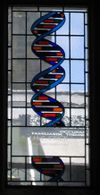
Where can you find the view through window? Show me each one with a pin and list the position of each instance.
(48, 97)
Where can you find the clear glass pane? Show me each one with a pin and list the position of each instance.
(18, 47)
(9, 14)
(19, 23)
(63, 94)
(77, 47)
(77, 23)
(50, 8)
(9, 34)
(18, 96)
(33, 68)
(9, 53)
(78, 169)
(30, 40)
(18, 70)
(44, 65)
(65, 66)
(18, 116)
(86, 19)
(65, 28)
(9, 81)
(77, 71)
(64, 43)
(77, 117)
(77, 99)
(9, 135)
(31, 18)
(9, 64)
(77, 88)
(66, 117)
(22, 8)
(86, 37)
(34, 119)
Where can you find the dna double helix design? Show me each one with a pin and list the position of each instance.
(44, 105)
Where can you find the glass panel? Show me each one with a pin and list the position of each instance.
(9, 82)
(86, 64)
(9, 53)
(18, 96)
(65, 65)
(34, 118)
(64, 43)
(9, 14)
(63, 94)
(22, 8)
(30, 93)
(66, 117)
(19, 23)
(50, 8)
(78, 169)
(77, 66)
(77, 117)
(77, 88)
(77, 99)
(18, 69)
(86, 19)
(77, 47)
(86, 37)
(9, 135)
(87, 84)
(9, 64)
(18, 47)
(31, 17)
(77, 23)
(30, 40)
(33, 68)
(8, 154)
(18, 118)
(65, 28)
(9, 34)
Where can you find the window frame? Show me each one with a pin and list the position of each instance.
(93, 60)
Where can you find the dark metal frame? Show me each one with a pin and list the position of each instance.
(93, 102)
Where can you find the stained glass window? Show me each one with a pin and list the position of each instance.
(48, 97)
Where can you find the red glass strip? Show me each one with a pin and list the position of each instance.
(48, 26)
(59, 54)
(48, 21)
(51, 59)
(37, 159)
(42, 98)
(49, 115)
(36, 48)
(57, 109)
(58, 76)
(43, 42)
(41, 82)
(36, 103)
